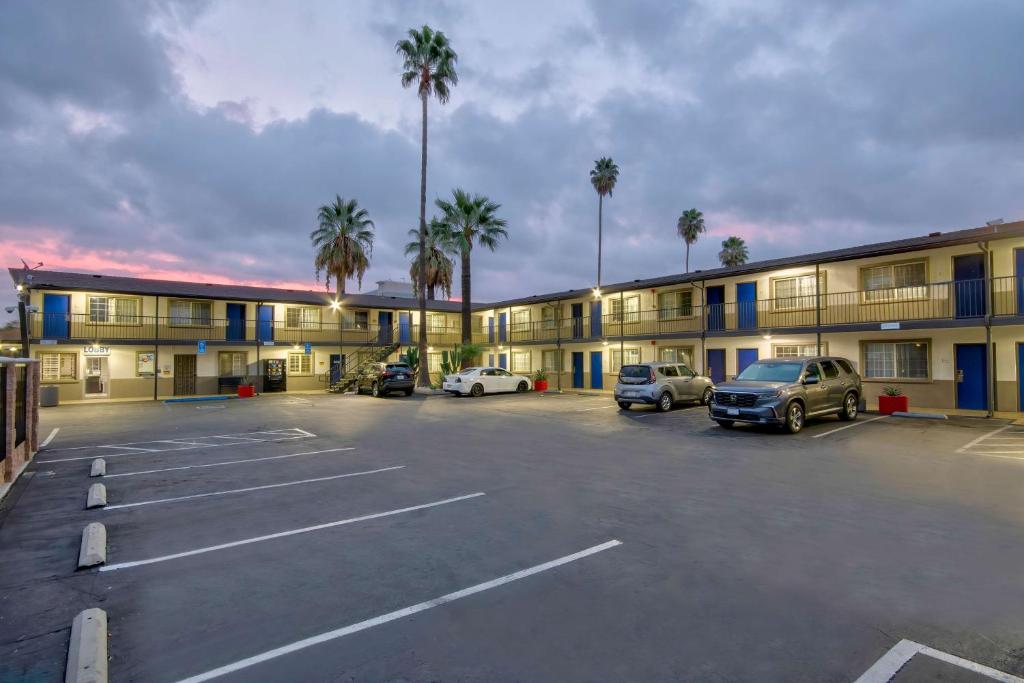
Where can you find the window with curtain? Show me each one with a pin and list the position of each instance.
(198, 313)
(110, 309)
(796, 293)
(521, 320)
(632, 356)
(433, 362)
(520, 361)
(678, 304)
(436, 322)
(547, 315)
(300, 364)
(676, 354)
(896, 360)
(895, 281)
(798, 350)
(232, 363)
(58, 367)
(625, 310)
(302, 317)
(549, 360)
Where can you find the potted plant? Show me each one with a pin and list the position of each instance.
(892, 401)
(540, 380)
(246, 389)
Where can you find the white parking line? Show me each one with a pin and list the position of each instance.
(981, 438)
(250, 488)
(227, 462)
(301, 432)
(397, 614)
(583, 410)
(902, 652)
(852, 424)
(47, 440)
(283, 534)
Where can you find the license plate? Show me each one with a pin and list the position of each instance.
(401, 377)
(732, 411)
(629, 393)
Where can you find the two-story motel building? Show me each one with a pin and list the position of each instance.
(939, 316)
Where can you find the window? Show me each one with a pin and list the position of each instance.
(669, 371)
(300, 364)
(521, 320)
(894, 281)
(361, 320)
(547, 316)
(433, 362)
(625, 310)
(797, 350)
(198, 313)
(233, 363)
(676, 354)
(896, 360)
(436, 322)
(830, 369)
(632, 357)
(109, 309)
(678, 304)
(549, 360)
(58, 367)
(796, 293)
(812, 371)
(302, 317)
(845, 365)
(685, 371)
(520, 361)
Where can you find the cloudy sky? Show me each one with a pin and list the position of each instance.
(196, 140)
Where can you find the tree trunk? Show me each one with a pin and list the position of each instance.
(421, 290)
(600, 210)
(431, 293)
(687, 257)
(467, 297)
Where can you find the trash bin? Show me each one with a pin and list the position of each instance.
(49, 395)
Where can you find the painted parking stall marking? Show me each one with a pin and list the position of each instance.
(184, 444)
(1005, 442)
(902, 652)
(290, 532)
(858, 423)
(229, 462)
(398, 614)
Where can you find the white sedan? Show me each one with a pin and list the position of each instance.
(480, 381)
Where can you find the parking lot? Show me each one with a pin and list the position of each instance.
(533, 537)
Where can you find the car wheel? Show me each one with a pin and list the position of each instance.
(794, 417)
(624, 405)
(477, 391)
(706, 397)
(665, 402)
(849, 411)
(375, 391)
(725, 424)
(523, 387)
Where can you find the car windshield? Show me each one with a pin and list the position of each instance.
(401, 367)
(771, 372)
(636, 371)
(468, 371)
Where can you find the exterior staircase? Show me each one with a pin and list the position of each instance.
(357, 362)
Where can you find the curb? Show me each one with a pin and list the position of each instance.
(99, 468)
(922, 416)
(87, 651)
(97, 496)
(94, 545)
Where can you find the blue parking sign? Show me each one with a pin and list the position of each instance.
(309, 348)
(202, 347)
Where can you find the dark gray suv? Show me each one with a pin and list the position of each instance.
(787, 391)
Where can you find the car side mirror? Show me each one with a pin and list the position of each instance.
(813, 379)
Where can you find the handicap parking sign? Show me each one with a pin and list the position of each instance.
(202, 347)
(309, 348)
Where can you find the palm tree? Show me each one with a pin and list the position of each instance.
(440, 267)
(734, 252)
(428, 61)
(343, 242)
(690, 226)
(603, 178)
(471, 219)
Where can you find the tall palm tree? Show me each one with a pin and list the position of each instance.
(343, 242)
(690, 226)
(734, 252)
(603, 177)
(428, 62)
(440, 267)
(471, 220)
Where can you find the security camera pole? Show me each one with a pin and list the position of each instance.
(23, 320)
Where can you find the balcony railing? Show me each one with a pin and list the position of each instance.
(964, 300)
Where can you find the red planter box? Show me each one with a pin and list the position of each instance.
(887, 405)
(246, 390)
(540, 385)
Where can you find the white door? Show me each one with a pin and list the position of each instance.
(508, 380)
(490, 380)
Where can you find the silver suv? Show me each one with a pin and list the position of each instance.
(661, 385)
(786, 391)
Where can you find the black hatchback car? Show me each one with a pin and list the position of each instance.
(383, 378)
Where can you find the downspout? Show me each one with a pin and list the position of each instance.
(990, 378)
(817, 306)
(558, 342)
(622, 330)
(508, 337)
(703, 329)
(156, 349)
(256, 335)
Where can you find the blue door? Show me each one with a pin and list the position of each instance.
(1019, 271)
(56, 318)
(404, 329)
(716, 307)
(716, 365)
(236, 322)
(577, 369)
(385, 334)
(744, 357)
(490, 332)
(969, 285)
(490, 357)
(596, 369)
(337, 367)
(266, 328)
(971, 377)
(503, 360)
(577, 323)
(595, 318)
(502, 328)
(1020, 377)
(746, 306)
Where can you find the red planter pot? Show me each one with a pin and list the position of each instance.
(887, 405)
(540, 385)
(246, 391)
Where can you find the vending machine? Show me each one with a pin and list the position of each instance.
(274, 376)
